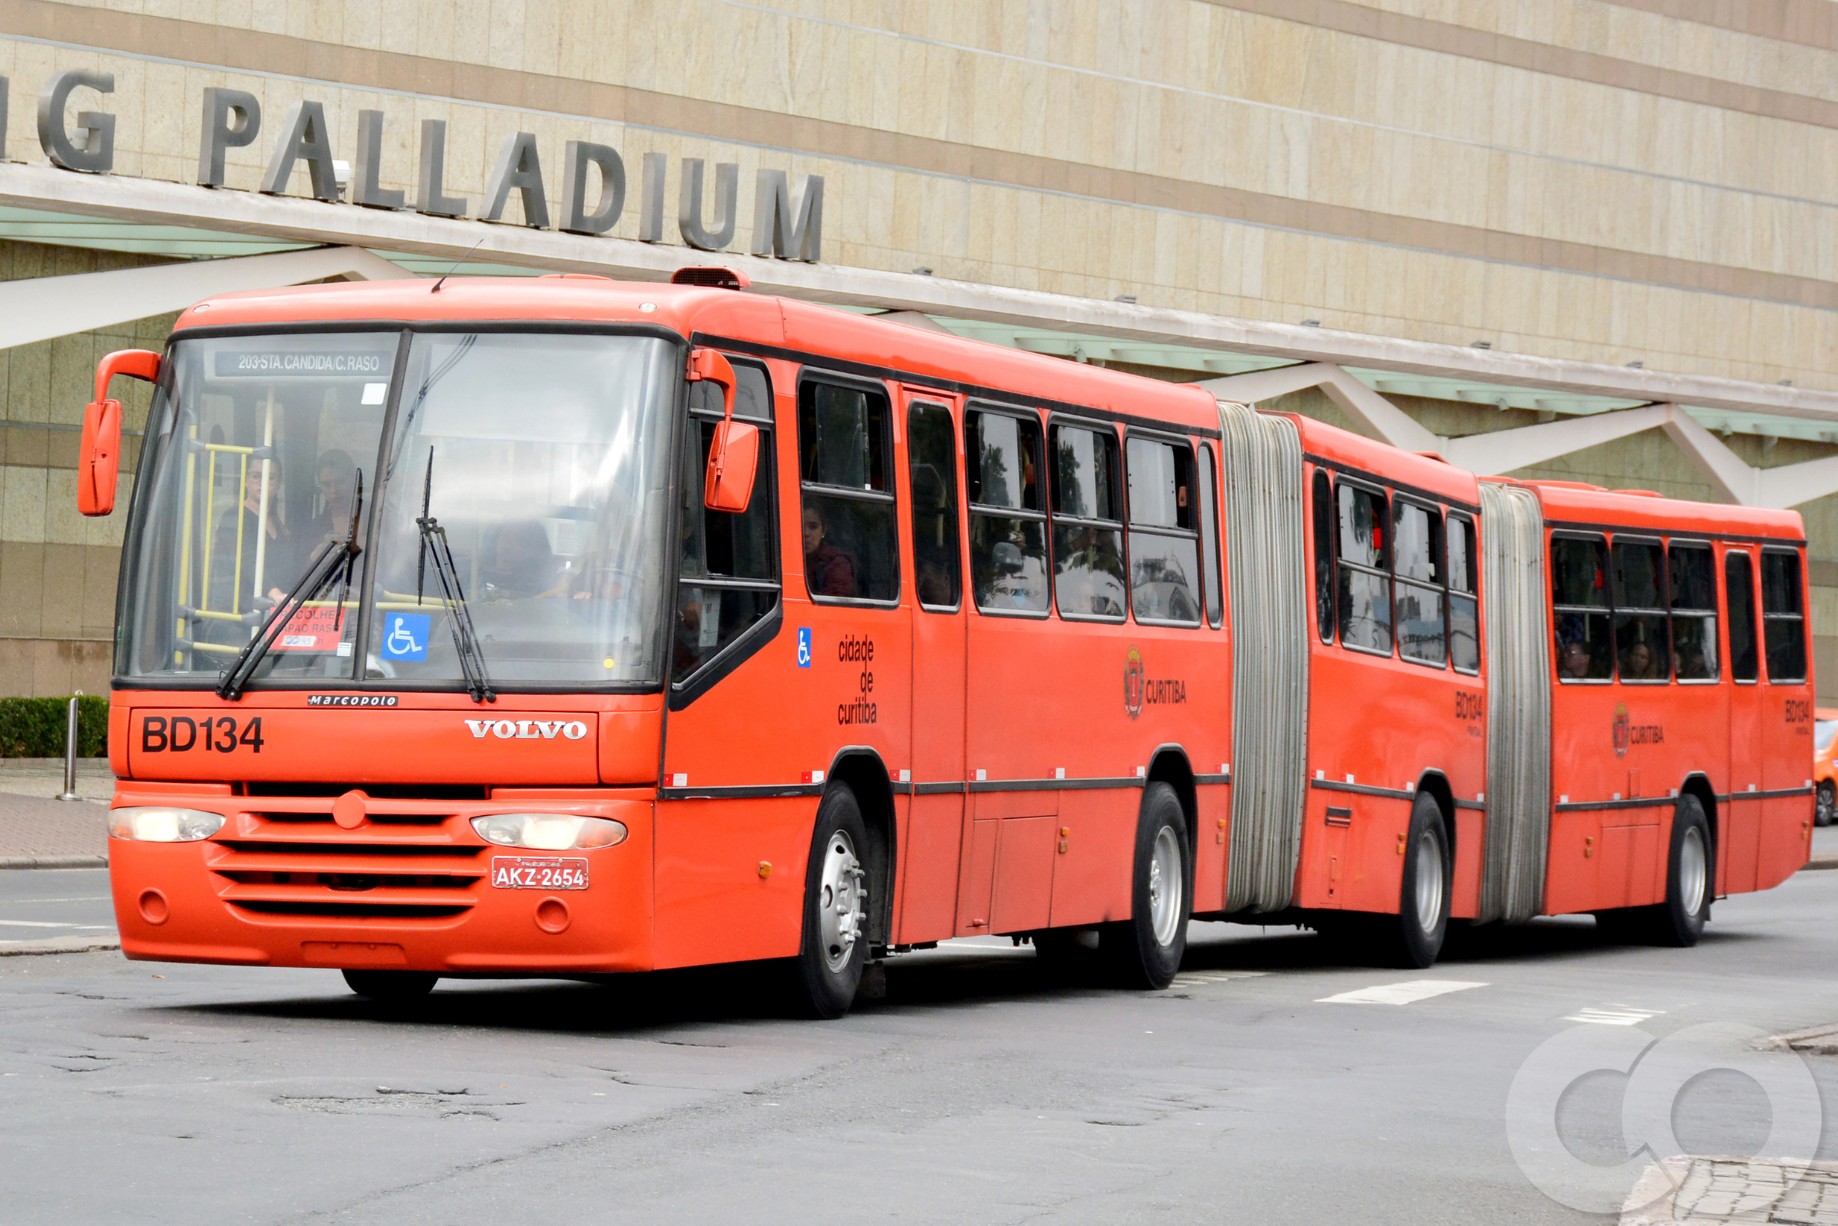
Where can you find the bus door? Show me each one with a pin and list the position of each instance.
(932, 840)
(1741, 824)
(1786, 719)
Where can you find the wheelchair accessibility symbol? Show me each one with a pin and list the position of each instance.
(804, 647)
(405, 636)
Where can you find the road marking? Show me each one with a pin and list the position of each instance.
(1616, 1015)
(1190, 978)
(38, 901)
(1408, 992)
(46, 924)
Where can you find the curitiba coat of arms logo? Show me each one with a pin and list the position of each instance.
(1132, 683)
(1622, 730)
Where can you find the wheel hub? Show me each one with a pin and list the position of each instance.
(1165, 886)
(842, 904)
(1429, 881)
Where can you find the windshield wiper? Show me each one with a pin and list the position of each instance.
(465, 639)
(325, 563)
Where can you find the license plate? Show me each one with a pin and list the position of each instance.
(539, 872)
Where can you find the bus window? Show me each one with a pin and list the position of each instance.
(730, 561)
(1164, 537)
(845, 456)
(933, 457)
(1579, 598)
(1464, 606)
(1365, 584)
(1008, 544)
(1739, 580)
(1417, 553)
(1642, 644)
(1782, 624)
(1210, 561)
(1324, 557)
(1087, 524)
(1694, 611)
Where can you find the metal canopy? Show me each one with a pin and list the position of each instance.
(224, 240)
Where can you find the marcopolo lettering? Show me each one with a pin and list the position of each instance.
(787, 220)
(527, 729)
(351, 700)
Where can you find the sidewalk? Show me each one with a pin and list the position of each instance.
(39, 831)
(1705, 1191)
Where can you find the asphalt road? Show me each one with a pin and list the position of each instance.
(977, 1090)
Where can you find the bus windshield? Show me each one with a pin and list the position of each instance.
(541, 457)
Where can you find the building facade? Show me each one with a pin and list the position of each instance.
(1606, 226)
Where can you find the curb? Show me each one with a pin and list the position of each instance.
(1821, 861)
(1812, 1041)
(59, 862)
(66, 945)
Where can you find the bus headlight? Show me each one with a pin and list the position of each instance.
(161, 824)
(549, 831)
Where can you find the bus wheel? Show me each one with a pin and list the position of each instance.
(1413, 938)
(1679, 921)
(1826, 807)
(1146, 949)
(834, 948)
(391, 987)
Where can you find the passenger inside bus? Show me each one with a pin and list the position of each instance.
(1573, 660)
(239, 541)
(337, 481)
(829, 571)
(1638, 662)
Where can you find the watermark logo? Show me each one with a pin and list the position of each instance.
(1656, 1073)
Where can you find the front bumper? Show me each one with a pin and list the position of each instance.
(399, 884)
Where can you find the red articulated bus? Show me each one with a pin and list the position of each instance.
(565, 627)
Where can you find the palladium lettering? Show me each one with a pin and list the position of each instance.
(527, 729)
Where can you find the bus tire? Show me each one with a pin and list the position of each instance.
(1690, 885)
(1825, 807)
(834, 947)
(1690, 880)
(391, 987)
(1413, 937)
(1145, 950)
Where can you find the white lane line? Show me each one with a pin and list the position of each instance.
(1408, 992)
(1614, 1015)
(39, 901)
(45, 924)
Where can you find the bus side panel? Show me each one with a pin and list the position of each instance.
(1091, 880)
(1784, 842)
(730, 879)
(929, 857)
(1403, 726)
(1691, 737)
(1465, 882)
(1585, 770)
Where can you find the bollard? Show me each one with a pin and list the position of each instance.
(70, 751)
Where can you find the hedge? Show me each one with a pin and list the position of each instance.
(34, 727)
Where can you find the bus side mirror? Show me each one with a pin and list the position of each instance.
(99, 461)
(733, 456)
(733, 460)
